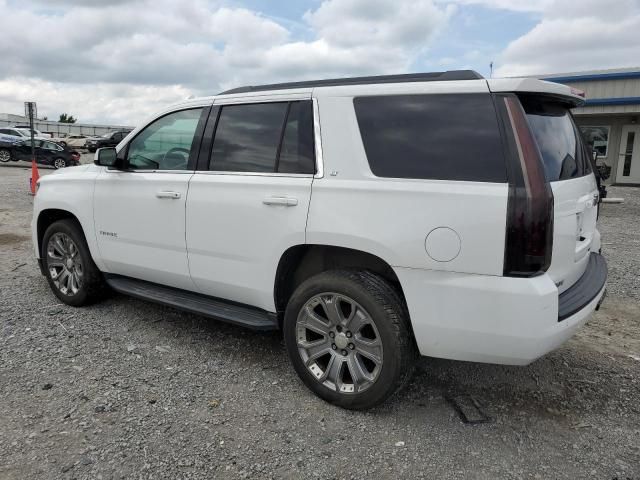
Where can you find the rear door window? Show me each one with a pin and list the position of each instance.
(264, 138)
(437, 136)
(296, 151)
(247, 137)
(559, 140)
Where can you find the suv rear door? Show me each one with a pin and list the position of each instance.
(249, 199)
(575, 192)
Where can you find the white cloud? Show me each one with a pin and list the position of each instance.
(349, 23)
(114, 61)
(119, 103)
(514, 5)
(573, 36)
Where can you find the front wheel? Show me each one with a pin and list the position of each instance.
(5, 155)
(59, 163)
(347, 334)
(70, 270)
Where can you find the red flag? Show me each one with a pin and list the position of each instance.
(35, 176)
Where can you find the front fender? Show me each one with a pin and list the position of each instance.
(72, 192)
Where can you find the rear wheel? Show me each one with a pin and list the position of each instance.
(5, 155)
(71, 272)
(59, 163)
(348, 337)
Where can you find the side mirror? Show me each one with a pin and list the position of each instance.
(105, 157)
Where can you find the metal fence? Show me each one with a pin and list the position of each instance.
(56, 128)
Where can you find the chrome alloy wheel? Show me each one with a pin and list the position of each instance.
(64, 263)
(59, 163)
(339, 343)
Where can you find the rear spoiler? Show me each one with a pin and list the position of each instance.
(564, 93)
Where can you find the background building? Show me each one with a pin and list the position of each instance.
(56, 128)
(609, 119)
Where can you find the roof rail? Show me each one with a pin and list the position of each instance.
(334, 82)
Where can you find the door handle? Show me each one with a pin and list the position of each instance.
(172, 195)
(286, 201)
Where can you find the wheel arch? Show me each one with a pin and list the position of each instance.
(48, 216)
(301, 262)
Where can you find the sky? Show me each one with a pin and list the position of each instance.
(118, 61)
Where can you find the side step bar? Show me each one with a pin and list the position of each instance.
(197, 303)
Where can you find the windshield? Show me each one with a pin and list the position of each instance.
(558, 139)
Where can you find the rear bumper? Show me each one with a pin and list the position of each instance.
(489, 319)
(581, 293)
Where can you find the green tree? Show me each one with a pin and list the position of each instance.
(65, 118)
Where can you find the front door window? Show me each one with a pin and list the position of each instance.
(166, 143)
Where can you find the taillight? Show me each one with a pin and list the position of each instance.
(529, 237)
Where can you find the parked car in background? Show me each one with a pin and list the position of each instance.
(47, 153)
(36, 133)
(110, 139)
(20, 133)
(76, 141)
(7, 143)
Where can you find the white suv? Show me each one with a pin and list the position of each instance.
(370, 219)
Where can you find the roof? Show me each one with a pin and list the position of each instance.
(334, 82)
(608, 92)
(594, 75)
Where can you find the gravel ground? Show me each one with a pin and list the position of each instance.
(128, 389)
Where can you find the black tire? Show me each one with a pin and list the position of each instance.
(389, 314)
(91, 285)
(5, 155)
(59, 163)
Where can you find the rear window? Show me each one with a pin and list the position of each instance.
(559, 140)
(436, 136)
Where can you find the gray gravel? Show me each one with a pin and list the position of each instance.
(620, 228)
(127, 389)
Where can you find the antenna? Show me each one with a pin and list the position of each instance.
(491, 69)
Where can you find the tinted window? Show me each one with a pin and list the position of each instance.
(558, 139)
(296, 153)
(51, 146)
(166, 143)
(447, 137)
(247, 137)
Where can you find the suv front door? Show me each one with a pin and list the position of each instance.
(139, 209)
(249, 202)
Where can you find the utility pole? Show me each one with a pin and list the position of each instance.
(31, 112)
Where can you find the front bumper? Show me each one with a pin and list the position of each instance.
(490, 319)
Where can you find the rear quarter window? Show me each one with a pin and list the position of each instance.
(434, 136)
